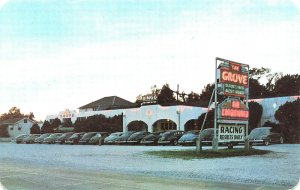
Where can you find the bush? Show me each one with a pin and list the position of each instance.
(35, 129)
(289, 120)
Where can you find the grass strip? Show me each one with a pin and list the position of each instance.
(192, 154)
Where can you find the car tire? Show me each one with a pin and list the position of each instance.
(281, 140)
(175, 142)
(100, 143)
(266, 142)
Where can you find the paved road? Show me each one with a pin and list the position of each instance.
(127, 167)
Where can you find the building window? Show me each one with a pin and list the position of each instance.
(25, 120)
(19, 128)
(12, 128)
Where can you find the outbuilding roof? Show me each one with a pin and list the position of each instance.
(109, 102)
(11, 121)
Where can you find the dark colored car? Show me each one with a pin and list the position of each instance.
(98, 139)
(122, 139)
(41, 138)
(136, 137)
(74, 139)
(151, 139)
(112, 138)
(31, 138)
(86, 137)
(207, 136)
(189, 138)
(52, 138)
(170, 137)
(62, 139)
(19, 139)
(265, 135)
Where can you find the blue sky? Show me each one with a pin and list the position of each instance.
(63, 54)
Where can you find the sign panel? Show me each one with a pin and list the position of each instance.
(231, 133)
(233, 109)
(233, 79)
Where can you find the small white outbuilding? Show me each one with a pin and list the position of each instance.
(15, 126)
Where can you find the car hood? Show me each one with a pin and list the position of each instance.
(188, 137)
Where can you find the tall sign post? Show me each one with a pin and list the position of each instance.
(231, 115)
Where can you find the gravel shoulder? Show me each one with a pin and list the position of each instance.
(280, 169)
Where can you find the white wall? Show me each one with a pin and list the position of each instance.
(13, 130)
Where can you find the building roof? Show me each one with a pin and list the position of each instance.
(110, 102)
(11, 121)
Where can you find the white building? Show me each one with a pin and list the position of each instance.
(156, 117)
(14, 127)
(153, 117)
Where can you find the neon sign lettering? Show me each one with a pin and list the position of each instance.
(235, 113)
(233, 77)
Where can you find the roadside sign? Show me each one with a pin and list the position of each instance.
(231, 133)
(231, 115)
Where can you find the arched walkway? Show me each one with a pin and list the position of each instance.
(191, 125)
(164, 125)
(137, 126)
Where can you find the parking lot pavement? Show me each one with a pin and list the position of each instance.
(21, 177)
(72, 167)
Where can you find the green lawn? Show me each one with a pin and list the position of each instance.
(192, 154)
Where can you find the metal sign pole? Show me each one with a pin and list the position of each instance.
(215, 139)
(247, 145)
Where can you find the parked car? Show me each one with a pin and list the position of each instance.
(86, 137)
(136, 137)
(265, 135)
(19, 139)
(207, 136)
(170, 137)
(151, 139)
(189, 138)
(52, 138)
(41, 138)
(122, 139)
(98, 139)
(62, 139)
(31, 138)
(74, 139)
(112, 138)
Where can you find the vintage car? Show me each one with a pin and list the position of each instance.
(62, 139)
(98, 139)
(122, 139)
(41, 138)
(74, 139)
(19, 139)
(86, 137)
(52, 138)
(112, 138)
(136, 137)
(265, 135)
(151, 139)
(170, 137)
(31, 138)
(189, 138)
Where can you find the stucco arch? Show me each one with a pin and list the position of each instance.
(164, 125)
(137, 125)
(191, 125)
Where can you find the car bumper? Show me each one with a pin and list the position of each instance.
(164, 142)
(187, 142)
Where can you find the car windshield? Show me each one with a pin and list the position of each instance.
(44, 135)
(54, 135)
(259, 132)
(75, 135)
(192, 133)
(88, 135)
(207, 132)
(137, 134)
